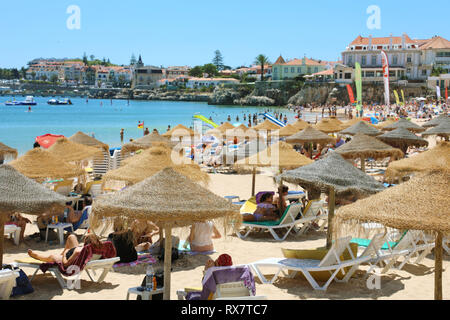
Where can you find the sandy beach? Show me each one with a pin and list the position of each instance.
(413, 282)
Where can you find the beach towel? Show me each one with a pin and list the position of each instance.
(107, 251)
(142, 258)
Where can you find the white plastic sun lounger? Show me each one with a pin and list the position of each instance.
(331, 263)
(106, 265)
(288, 223)
(314, 214)
(13, 231)
(7, 283)
(446, 245)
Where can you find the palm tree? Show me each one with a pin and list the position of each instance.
(262, 60)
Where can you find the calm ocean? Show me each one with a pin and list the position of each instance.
(18, 127)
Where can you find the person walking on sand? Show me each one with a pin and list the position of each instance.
(121, 135)
(146, 131)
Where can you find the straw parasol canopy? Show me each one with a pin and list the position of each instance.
(437, 121)
(336, 175)
(146, 142)
(349, 123)
(224, 127)
(404, 124)
(6, 151)
(86, 140)
(40, 164)
(383, 124)
(363, 147)
(70, 151)
(437, 158)
(361, 127)
(241, 132)
(300, 124)
(267, 125)
(420, 204)
(442, 130)
(179, 131)
(335, 121)
(328, 126)
(402, 139)
(21, 194)
(170, 200)
(152, 161)
(310, 135)
(287, 131)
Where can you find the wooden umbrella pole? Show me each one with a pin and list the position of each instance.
(2, 231)
(331, 205)
(253, 180)
(363, 165)
(438, 267)
(167, 262)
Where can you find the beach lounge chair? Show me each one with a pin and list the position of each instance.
(331, 263)
(13, 231)
(83, 223)
(287, 222)
(314, 213)
(446, 245)
(7, 283)
(224, 283)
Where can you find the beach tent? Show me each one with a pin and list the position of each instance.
(39, 164)
(361, 127)
(402, 138)
(21, 194)
(437, 158)
(363, 147)
(280, 155)
(337, 176)
(47, 140)
(6, 151)
(419, 204)
(169, 200)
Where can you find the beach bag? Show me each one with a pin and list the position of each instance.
(175, 254)
(159, 275)
(23, 284)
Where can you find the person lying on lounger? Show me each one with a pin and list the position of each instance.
(71, 250)
(265, 210)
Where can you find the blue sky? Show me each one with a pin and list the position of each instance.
(188, 32)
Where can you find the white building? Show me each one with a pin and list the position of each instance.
(196, 83)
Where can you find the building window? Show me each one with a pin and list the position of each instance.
(363, 60)
(408, 70)
(391, 73)
(374, 60)
(309, 70)
(395, 60)
(424, 72)
(286, 70)
(348, 76)
(299, 70)
(292, 70)
(409, 58)
(350, 59)
(370, 74)
(275, 69)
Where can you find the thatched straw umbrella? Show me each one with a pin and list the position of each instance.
(437, 121)
(310, 135)
(267, 125)
(169, 200)
(21, 194)
(349, 123)
(69, 151)
(280, 155)
(404, 124)
(287, 131)
(328, 126)
(300, 125)
(442, 130)
(145, 142)
(178, 132)
(335, 121)
(383, 124)
(40, 164)
(240, 131)
(437, 158)
(419, 204)
(86, 140)
(402, 139)
(363, 147)
(6, 151)
(361, 127)
(338, 177)
(150, 162)
(224, 127)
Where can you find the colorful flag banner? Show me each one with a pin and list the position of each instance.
(446, 94)
(358, 81)
(350, 94)
(438, 92)
(397, 99)
(385, 64)
(403, 96)
(141, 125)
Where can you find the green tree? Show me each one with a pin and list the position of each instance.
(262, 61)
(44, 77)
(210, 69)
(218, 60)
(92, 57)
(33, 75)
(133, 60)
(85, 59)
(23, 73)
(437, 71)
(196, 71)
(54, 79)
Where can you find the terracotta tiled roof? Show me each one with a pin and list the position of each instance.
(280, 60)
(359, 41)
(308, 62)
(434, 43)
(328, 72)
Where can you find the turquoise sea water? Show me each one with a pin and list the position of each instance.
(18, 127)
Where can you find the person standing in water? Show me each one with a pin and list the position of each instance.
(121, 135)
